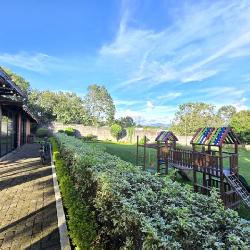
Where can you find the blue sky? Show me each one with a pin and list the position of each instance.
(151, 55)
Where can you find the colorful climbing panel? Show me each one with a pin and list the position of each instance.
(214, 136)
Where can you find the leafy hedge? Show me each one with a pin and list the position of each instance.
(42, 132)
(80, 220)
(136, 210)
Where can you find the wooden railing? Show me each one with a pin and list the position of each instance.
(233, 161)
(190, 159)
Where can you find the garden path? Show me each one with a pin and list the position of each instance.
(28, 217)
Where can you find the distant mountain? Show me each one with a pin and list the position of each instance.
(155, 124)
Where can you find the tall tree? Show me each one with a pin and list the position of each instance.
(126, 122)
(42, 104)
(191, 116)
(99, 105)
(70, 109)
(60, 106)
(225, 113)
(23, 84)
(241, 121)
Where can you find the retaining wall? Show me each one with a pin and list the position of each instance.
(103, 133)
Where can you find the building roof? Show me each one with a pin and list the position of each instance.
(9, 103)
(7, 86)
(165, 136)
(215, 136)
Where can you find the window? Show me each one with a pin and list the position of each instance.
(8, 132)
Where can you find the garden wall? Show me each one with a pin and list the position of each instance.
(103, 133)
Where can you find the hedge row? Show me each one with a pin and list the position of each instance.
(80, 220)
(133, 209)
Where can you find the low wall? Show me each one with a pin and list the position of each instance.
(103, 133)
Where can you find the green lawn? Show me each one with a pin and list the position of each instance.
(127, 152)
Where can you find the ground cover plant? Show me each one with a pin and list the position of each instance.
(134, 209)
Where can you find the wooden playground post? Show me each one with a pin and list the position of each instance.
(137, 150)
(144, 153)
(236, 152)
(194, 170)
(209, 175)
(158, 157)
(222, 190)
(166, 158)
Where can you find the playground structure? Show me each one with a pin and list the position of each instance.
(214, 157)
(163, 143)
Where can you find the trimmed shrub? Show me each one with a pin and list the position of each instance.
(60, 131)
(69, 131)
(42, 132)
(82, 229)
(137, 210)
(115, 131)
(90, 137)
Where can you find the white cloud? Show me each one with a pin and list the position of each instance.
(223, 92)
(241, 104)
(150, 105)
(37, 62)
(159, 114)
(169, 96)
(200, 39)
(126, 102)
(198, 75)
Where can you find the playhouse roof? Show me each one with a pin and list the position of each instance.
(215, 136)
(164, 136)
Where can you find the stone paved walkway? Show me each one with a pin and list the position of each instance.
(28, 218)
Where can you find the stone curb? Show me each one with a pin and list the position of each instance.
(62, 226)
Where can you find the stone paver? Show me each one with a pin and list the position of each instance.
(28, 218)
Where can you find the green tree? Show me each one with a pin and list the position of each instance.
(70, 109)
(115, 131)
(23, 84)
(60, 106)
(241, 121)
(191, 116)
(42, 103)
(225, 113)
(126, 122)
(99, 105)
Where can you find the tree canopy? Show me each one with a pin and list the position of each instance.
(241, 121)
(225, 113)
(126, 122)
(99, 105)
(60, 106)
(96, 108)
(191, 116)
(23, 84)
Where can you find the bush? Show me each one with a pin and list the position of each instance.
(42, 132)
(69, 131)
(244, 136)
(82, 229)
(115, 131)
(60, 131)
(136, 210)
(90, 137)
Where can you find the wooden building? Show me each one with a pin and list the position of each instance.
(15, 118)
